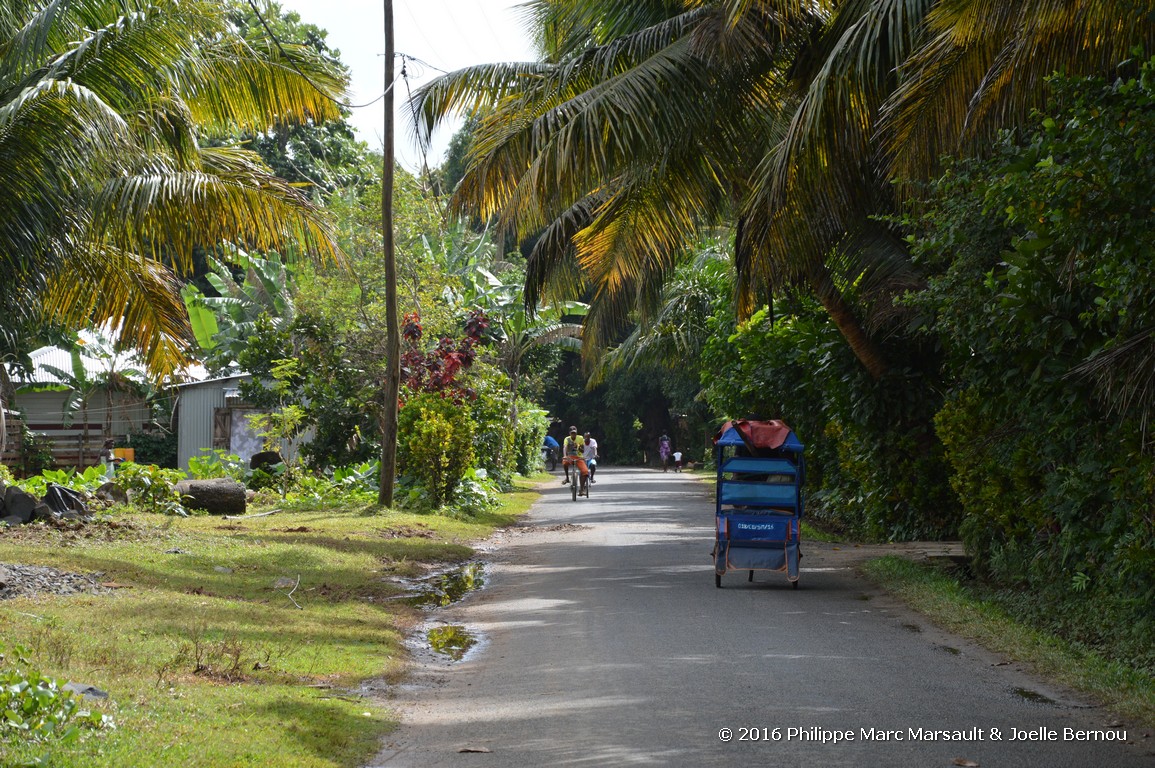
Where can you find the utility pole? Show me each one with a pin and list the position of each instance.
(392, 331)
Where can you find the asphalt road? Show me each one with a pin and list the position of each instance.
(604, 642)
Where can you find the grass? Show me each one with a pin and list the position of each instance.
(233, 642)
(942, 598)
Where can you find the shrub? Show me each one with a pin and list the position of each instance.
(155, 447)
(218, 464)
(35, 708)
(151, 488)
(435, 445)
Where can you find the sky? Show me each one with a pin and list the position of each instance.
(446, 34)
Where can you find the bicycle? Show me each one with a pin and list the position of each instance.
(581, 480)
(549, 457)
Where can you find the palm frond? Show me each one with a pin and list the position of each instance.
(165, 212)
(139, 296)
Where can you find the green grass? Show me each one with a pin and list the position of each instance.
(206, 655)
(950, 604)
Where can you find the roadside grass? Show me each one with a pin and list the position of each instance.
(1121, 688)
(244, 642)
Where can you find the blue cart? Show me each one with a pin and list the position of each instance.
(758, 500)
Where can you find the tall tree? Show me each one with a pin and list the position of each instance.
(647, 122)
(104, 106)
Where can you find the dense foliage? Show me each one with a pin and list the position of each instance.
(1041, 296)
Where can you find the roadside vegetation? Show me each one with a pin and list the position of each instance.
(258, 641)
(836, 214)
(1116, 672)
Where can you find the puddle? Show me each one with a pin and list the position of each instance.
(453, 640)
(447, 588)
(1037, 698)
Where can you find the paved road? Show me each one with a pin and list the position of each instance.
(605, 643)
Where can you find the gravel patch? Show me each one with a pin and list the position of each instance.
(33, 580)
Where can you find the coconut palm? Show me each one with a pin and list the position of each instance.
(640, 131)
(107, 110)
(647, 122)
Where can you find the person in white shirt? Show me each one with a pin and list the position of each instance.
(590, 454)
(677, 461)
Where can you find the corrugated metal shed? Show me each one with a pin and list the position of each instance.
(203, 405)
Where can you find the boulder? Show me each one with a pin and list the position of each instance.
(12, 521)
(113, 493)
(265, 459)
(19, 503)
(43, 512)
(219, 496)
(6, 577)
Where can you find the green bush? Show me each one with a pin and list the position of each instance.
(150, 488)
(532, 424)
(874, 465)
(154, 448)
(435, 445)
(35, 708)
(1039, 292)
(218, 464)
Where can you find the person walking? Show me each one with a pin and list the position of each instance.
(664, 447)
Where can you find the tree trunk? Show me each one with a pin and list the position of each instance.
(218, 496)
(848, 324)
(392, 331)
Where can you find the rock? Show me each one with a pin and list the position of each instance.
(265, 459)
(113, 493)
(86, 691)
(43, 512)
(219, 496)
(19, 503)
(6, 577)
(12, 521)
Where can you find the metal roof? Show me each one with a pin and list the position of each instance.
(62, 358)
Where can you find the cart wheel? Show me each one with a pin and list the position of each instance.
(751, 576)
(718, 580)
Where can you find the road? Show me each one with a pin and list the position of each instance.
(606, 643)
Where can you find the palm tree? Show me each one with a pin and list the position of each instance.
(635, 135)
(105, 109)
(647, 122)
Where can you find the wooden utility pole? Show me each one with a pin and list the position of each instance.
(392, 331)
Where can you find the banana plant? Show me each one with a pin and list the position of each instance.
(223, 323)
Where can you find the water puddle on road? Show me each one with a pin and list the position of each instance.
(452, 640)
(1032, 696)
(449, 587)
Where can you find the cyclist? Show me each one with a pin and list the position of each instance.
(572, 450)
(591, 455)
(549, 449)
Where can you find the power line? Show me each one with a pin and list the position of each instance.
(309, 80)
